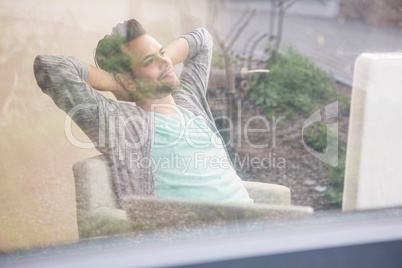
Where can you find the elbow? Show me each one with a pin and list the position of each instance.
(39, 68)
(47, 71)
(39, 64)
(208, 39)
(207, 35)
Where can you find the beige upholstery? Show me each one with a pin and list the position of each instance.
(93, 185)
(267, 193)
(98, 213)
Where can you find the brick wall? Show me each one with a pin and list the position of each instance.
(379, 12)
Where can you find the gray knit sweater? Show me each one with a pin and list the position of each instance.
(121, 130)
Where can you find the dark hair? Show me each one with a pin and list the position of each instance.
(108, 55)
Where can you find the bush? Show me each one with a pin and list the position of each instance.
(316, 137)
(293, 86)
(296, 88)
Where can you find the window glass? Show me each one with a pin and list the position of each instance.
(305, 97)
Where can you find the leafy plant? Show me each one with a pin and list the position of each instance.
(336, 175)
(217, 59)
(316, 137)
(296, 88)
(293, 86)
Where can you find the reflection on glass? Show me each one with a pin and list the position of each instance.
(285, 122)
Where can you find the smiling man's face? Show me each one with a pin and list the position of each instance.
(153, 71)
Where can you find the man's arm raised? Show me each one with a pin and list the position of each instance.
(64, 79)
(198, 60)
(101, 80)
(178, 50)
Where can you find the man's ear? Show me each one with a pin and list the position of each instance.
(126, 82)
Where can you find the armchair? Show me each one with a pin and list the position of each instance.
(98, 213)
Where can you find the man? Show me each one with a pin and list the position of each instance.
(167, 144)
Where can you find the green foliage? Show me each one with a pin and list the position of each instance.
(336, 175)
(109, 56)
(296, 88)
(293, 86)
(217, 59)
(316, 137)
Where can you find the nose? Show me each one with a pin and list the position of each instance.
(163, 61)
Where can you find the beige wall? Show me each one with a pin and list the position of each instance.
(37, 196)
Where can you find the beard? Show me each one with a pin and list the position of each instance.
(151, 91)
(164, 89)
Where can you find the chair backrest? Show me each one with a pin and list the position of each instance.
(93, 184)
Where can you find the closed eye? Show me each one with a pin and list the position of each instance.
(151, 58)
(150, 61)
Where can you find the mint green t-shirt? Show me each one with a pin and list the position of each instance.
(190, 161)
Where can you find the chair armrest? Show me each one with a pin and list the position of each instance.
(114, 214)
(148, 214)
(165, 214)
(103, 221)
(266, 193)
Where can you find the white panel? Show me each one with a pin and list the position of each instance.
(373, 174)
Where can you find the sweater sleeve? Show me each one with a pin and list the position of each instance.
(198, 63)
(64, 79)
